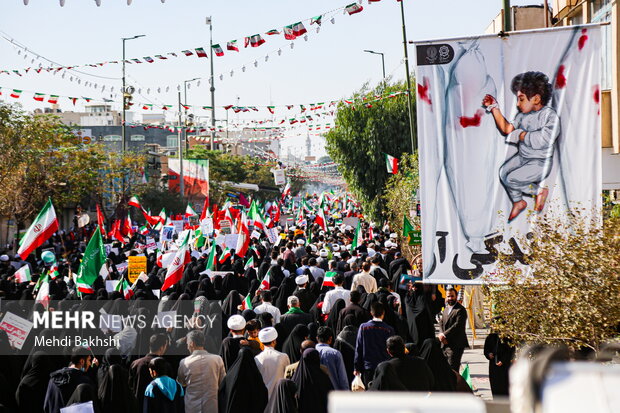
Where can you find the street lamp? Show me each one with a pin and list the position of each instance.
(211, 82)
(124, 90)
(382, 60)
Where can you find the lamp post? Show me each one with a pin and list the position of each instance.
(382, 60)
(212, 83)
(408, 79)
(180, 144)
(124, 143)
(185, 82)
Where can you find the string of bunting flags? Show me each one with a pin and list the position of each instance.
(291, 31)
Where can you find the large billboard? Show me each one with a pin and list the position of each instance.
(509, 130)
(195, 176)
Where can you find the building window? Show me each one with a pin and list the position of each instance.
(136, 138)
(112, 138)
(172, 141)
(601, 12)
(599, 6)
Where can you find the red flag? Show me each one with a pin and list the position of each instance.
(205, 209)
(152, 220)
(101, 220)
(243, 241)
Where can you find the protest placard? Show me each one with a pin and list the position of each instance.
(16, 328)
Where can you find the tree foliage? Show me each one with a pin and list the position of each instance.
(572, 295)
(400, 193)
(364, 133)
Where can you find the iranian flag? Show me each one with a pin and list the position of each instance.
(189, 211)
(124, 288)
(53, 99)
(392, 164)
(232, 45)
(189, 52)
(135, 202)
(299, 29)
(152, 220)
(218, 50)
(287, 190)
(39, 97)
(265, 284)
(243, 241)
(16, 93)
(272, 32)
(255, 215)
(92, 261)
(205, 210)
(195, 176)
(288, 32)
(23, 274)
(353, 8)
(148, 59)
(41, 229)
(225, 255)
(165, 259)
(247, 303)
(249, 263)
(43, 294)
(256, 40)
(271, 109)
(200, 52)
(175, 270)
(320, 219)
(357, 238)
(328, 281)
(211, 259)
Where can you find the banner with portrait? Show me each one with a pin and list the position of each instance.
(509, 131)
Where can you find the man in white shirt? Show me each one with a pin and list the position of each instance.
(337, 293)
(270, 362)
(267, 307)
(201, 374)
(365, 279)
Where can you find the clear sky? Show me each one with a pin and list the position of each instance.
(330, 65)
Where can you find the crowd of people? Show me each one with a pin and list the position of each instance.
(332, 318)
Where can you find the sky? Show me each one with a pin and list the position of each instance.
(330, 65)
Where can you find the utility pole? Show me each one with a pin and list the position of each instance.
(212, 82)
(124, 90)
(507, 16)
(408, 78)
(382, 60)
(185, 106)
(181, 178)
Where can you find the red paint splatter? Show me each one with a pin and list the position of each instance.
(475, 120)
(423, 91)
(582, 39)
(596, 95)
(560, 78)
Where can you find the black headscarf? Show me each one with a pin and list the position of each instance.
(284, 292)
(231, 303)
(283, 398)
(292, 345)
(313, 384)
(445, 380)
(31, 391)
(114, 394)
(243, 389)
(334, 315)
(112, 356)
(386, 379)
(84, 393)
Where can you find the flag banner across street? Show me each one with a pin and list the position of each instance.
(507, 136)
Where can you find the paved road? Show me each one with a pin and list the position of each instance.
(478, 364)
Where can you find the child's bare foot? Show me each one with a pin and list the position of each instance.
(541, 198)
(517, 208)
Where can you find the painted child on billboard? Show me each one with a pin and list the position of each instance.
(534, 131)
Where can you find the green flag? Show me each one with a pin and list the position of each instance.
(467, 376)
(407, 227)
(357, 239)
(211, 259)
(93, 260)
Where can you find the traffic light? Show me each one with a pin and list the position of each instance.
(128, 97)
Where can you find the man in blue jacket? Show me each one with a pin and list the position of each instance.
(370, 347)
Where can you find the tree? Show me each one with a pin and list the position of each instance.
(571, 295)
(42, 158)
(224, 167)
(400, 192)
(365, 131)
